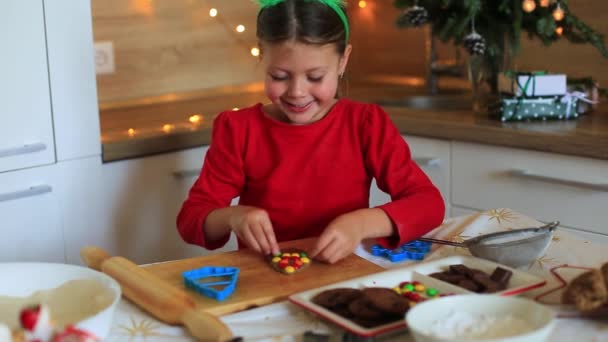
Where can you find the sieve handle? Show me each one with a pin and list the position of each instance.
(442, 242)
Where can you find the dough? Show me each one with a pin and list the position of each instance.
(69, 303)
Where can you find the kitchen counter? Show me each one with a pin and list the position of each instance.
(162, 124)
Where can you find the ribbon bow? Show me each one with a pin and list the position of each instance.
(572, 96)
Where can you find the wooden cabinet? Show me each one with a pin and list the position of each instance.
(26, 133)
(544, 186)
(433, 156)
(142, 199)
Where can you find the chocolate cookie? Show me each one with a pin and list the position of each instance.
(604, 270)
(361, 308)
(335, 298)
(587, 291)
(386, 300)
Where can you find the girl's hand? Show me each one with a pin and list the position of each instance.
(252, 225)
(340, 238)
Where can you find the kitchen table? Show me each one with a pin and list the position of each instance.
(567, 256)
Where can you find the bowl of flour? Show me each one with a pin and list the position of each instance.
(480, 318)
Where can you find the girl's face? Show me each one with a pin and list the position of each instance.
(302, 79)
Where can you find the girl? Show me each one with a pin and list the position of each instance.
(302, 165)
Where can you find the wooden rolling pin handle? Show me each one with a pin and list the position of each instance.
(94, 257)
(164, 301)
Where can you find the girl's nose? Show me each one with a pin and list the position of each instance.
(296, 88)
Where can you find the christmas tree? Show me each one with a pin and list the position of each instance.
(493, 28)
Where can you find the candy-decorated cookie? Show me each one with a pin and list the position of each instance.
(290, 261)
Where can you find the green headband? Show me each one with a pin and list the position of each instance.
(336, 5)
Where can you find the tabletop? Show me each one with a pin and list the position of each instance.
(567, 256)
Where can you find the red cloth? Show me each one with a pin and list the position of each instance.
(305, 176)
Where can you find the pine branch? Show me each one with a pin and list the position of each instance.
(497, 20)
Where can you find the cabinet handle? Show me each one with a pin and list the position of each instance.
(32, 191)
(27, 148)
(181, 174)
(557, 180)
(427, 161)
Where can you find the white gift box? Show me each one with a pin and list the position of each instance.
(534, 85)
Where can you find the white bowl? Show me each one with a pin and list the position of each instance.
(465, 318)
(22, 279)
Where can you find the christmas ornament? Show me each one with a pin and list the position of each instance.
(475, 44)
(559, 13)
(416, 16)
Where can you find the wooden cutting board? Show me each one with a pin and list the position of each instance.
(258, 283)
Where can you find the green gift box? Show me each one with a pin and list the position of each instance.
(535, 108)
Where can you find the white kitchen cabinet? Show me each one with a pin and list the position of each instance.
(433, 156)
(544, 186)
(69, 34)
(31, 216)
(79, 189)
(26, 133)
(142, 199)
(50, 151)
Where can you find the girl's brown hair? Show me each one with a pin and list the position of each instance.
(306, 21)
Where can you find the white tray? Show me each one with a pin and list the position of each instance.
(520, 282)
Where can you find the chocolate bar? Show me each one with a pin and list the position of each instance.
(469, 285)
(448, 277)
(501, 275)
(461, 269)
(488, 285)
(475, 280)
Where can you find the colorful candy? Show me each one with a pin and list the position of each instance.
(415, 291)
(290, 262)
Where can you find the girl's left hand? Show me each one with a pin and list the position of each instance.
(340, 238)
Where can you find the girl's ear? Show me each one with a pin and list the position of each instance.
(344, 59)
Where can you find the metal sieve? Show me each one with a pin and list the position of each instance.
(512, 248)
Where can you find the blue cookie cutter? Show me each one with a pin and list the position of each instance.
(192, 280)
(413, 250)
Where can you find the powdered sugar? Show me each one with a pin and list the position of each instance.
(467, 325)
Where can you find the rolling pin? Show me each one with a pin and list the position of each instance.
(159, 298)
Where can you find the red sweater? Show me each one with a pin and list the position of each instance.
(305, 176)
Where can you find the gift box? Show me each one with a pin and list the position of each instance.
(539, 108)
(533, 84)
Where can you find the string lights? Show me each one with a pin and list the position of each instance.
(234, 31)
(528, 5)
(558, 13)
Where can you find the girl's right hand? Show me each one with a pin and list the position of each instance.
(252, 225)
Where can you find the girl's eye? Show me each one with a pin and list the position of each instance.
(278, 78)
(315, 79)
